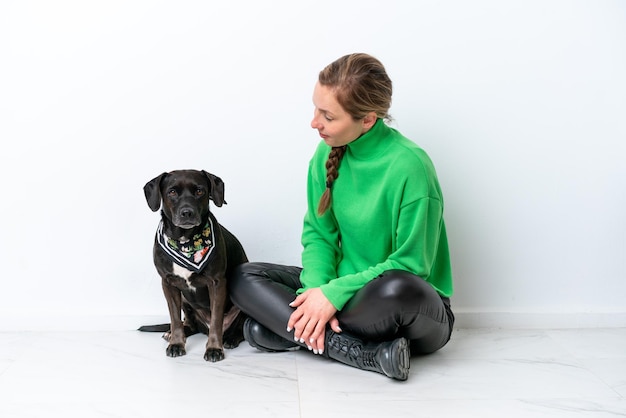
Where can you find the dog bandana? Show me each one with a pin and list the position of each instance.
(191, 254)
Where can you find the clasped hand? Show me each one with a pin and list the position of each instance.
(308, 321)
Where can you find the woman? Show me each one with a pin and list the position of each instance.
(376, 280)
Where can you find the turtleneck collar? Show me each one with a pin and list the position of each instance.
(372, 143)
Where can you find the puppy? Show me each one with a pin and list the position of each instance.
(194, 256)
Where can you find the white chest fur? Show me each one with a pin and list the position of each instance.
(183, 273)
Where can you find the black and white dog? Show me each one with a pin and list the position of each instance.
(194, 256)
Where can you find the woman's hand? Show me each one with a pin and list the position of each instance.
(313, 312)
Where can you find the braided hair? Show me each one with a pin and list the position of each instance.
(332, 164)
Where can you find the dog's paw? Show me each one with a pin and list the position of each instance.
(175, 350)
(232, 342)
(214, 354)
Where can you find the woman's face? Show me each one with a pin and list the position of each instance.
(335, 126)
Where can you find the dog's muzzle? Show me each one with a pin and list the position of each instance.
(187, 218)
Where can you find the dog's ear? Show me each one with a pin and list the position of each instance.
(152, 190)
(217, 189)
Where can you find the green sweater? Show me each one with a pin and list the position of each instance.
(386, 213)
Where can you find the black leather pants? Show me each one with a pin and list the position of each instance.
(395, 304)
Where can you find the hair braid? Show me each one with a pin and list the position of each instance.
(332, 165)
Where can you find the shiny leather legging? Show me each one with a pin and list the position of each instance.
(395, 304)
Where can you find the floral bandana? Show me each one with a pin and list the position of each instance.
(191, 254)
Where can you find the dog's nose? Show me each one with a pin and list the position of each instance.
(186, 213)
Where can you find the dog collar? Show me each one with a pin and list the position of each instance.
(191, 254)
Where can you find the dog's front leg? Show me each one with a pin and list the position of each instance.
(218, 294)
(176, 346)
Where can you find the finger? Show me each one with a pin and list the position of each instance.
(308, 330)
(320, 344)
(300, 327)
(300, 333)
(293, 319)
(334, 324)
(314, 340)
(299, 300)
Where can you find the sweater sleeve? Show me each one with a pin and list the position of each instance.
(417, 236)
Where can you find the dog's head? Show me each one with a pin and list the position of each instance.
(184, 195)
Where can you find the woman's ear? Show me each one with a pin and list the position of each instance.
(369, 120)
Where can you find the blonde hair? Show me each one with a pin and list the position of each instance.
(361, 85)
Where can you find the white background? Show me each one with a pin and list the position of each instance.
(521, 105)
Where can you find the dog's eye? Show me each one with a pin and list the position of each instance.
(199, 192)
(172, 193)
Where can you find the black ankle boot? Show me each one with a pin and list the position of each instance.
(391, 358)
(263, 339)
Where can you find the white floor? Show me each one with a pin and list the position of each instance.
(481, 373)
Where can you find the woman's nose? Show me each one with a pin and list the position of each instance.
(314, 123)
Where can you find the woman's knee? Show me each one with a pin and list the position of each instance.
(247, 272)
(405, 287)
(239, 281)
(424, 315)
(249, 281)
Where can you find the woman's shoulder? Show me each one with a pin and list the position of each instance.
(408, 153)
(412, 162)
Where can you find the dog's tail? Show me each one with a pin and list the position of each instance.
(154, 328)
(189, 331)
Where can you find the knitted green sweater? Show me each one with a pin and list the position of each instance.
(386, 213)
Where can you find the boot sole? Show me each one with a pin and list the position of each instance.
(402, 362)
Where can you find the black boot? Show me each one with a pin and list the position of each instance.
(263, 339)
(391, 358)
